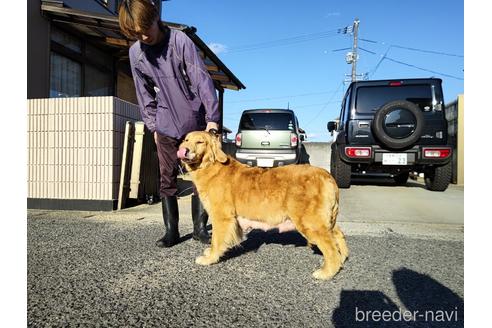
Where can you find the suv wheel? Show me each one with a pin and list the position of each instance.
(401, 179)
(340, 170)
(398, 124)
(438, 178)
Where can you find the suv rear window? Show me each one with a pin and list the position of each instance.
(269, 121)
(370, 99)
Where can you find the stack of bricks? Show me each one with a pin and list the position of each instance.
(75, 147)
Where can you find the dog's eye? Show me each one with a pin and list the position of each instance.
(199, 142)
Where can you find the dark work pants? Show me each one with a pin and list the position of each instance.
(167, 149)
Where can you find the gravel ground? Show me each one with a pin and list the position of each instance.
(102, 269)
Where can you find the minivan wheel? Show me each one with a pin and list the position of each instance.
(340, 170)
(438, 178)
(401, 179)
(398, 124)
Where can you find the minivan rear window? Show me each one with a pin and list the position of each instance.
(371, 98)
(269, 121)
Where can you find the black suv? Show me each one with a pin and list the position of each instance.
(393, 127)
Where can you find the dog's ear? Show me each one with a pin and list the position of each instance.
(219, 155)
(214, 151)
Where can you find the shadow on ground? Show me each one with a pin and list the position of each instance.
(258, 238)
(385, 182)
(427, 303)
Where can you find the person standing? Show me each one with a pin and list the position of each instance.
(176, 95)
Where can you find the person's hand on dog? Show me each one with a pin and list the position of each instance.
(212, 125)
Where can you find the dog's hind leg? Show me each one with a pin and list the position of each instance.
(341, 243)
(225, 235)
(325, 240)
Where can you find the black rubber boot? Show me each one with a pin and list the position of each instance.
(200, 218)
(170, 214)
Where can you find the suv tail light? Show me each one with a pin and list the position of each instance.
(238, 140)
(436, 152)
(293, 140)
(358, 152)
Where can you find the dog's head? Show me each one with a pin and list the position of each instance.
(200, 149)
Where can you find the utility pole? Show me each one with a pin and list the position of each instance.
(354, 50)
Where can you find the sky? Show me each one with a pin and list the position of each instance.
(283, 51)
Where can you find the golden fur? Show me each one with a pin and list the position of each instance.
(305, 194)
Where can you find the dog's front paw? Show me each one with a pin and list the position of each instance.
(205, 260)
(206, 251)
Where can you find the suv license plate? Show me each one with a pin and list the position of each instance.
(394, 159)
(265, 162)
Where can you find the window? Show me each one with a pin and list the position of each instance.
(67, 40)
(345, 109)
(370, 99)
(97, 83)
(98, 56)
(269, 121)
(78, 68)
(65, 77)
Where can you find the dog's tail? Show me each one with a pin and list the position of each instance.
(334, 214)
(334, 209)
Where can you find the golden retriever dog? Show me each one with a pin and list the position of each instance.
(238, 197)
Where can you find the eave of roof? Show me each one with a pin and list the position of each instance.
(106, 28)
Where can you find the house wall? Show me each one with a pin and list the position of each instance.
(74, 151)
(455, 117)
(38, 51)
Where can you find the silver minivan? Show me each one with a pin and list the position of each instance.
(268, 138)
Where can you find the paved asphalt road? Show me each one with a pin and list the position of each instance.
(102, 269)
(379, 200)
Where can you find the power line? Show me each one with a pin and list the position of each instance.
(233, 115)
(423, 69)
(277, 44)
(414, 49)
(312, 105)
(326, 105)
(371, 52)
(428, 51)
(279, 97)
(287, 41)
(341, 49)
(380, 61)
(385, 57)
(370, 41)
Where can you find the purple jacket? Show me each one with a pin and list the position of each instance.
(174, 89)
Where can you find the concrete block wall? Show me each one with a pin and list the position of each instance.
(75, 147)
(318, 154)
(314, 153)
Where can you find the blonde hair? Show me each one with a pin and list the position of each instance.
(136, 16)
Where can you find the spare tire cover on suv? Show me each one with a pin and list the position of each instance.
(398, 124)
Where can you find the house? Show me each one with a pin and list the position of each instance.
(80, 94)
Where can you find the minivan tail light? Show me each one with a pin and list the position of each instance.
(293, 140)
(436, 152)
(238, 140)
(395, 83)
(358, 152)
